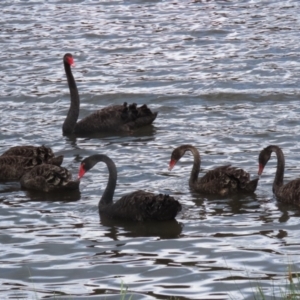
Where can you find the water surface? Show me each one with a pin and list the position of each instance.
(224, 77)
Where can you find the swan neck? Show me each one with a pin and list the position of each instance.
(278, 181)
(196, 165)
(73, 113)
(107, 197)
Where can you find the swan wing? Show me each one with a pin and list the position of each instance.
(143, 206)
(289, 193)
(116, 118)
(225, 180)
(47, 178)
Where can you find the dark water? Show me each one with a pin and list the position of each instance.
(224, 76)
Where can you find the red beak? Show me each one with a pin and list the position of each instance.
(81, 171)
(172, 164)
(71, 61)
(260, 169)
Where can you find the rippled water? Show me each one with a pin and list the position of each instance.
(224, 77)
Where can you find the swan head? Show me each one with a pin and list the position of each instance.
(88, 163)
(68, 58)
(263, 158)
(177, 154)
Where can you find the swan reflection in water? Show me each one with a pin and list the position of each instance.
(164, 230)
(144, 134)
(54, 196)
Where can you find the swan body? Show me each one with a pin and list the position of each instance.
(12, 168)
(137, 206)
(287, 193)
(42, 153)
(115, 118)
(223, 181)
(142, 206)
(48, 178)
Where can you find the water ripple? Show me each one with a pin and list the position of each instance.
(223, 76)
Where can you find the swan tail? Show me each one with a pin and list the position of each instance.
(162, 207)
(251, 186)
(240, 180)
(57, 161)
(135, 117)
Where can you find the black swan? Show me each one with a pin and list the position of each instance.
(116, 118)
(287, 193)
(12, 168)
(42, 153)
(221, 181)
(137, 206)
(49, 178)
